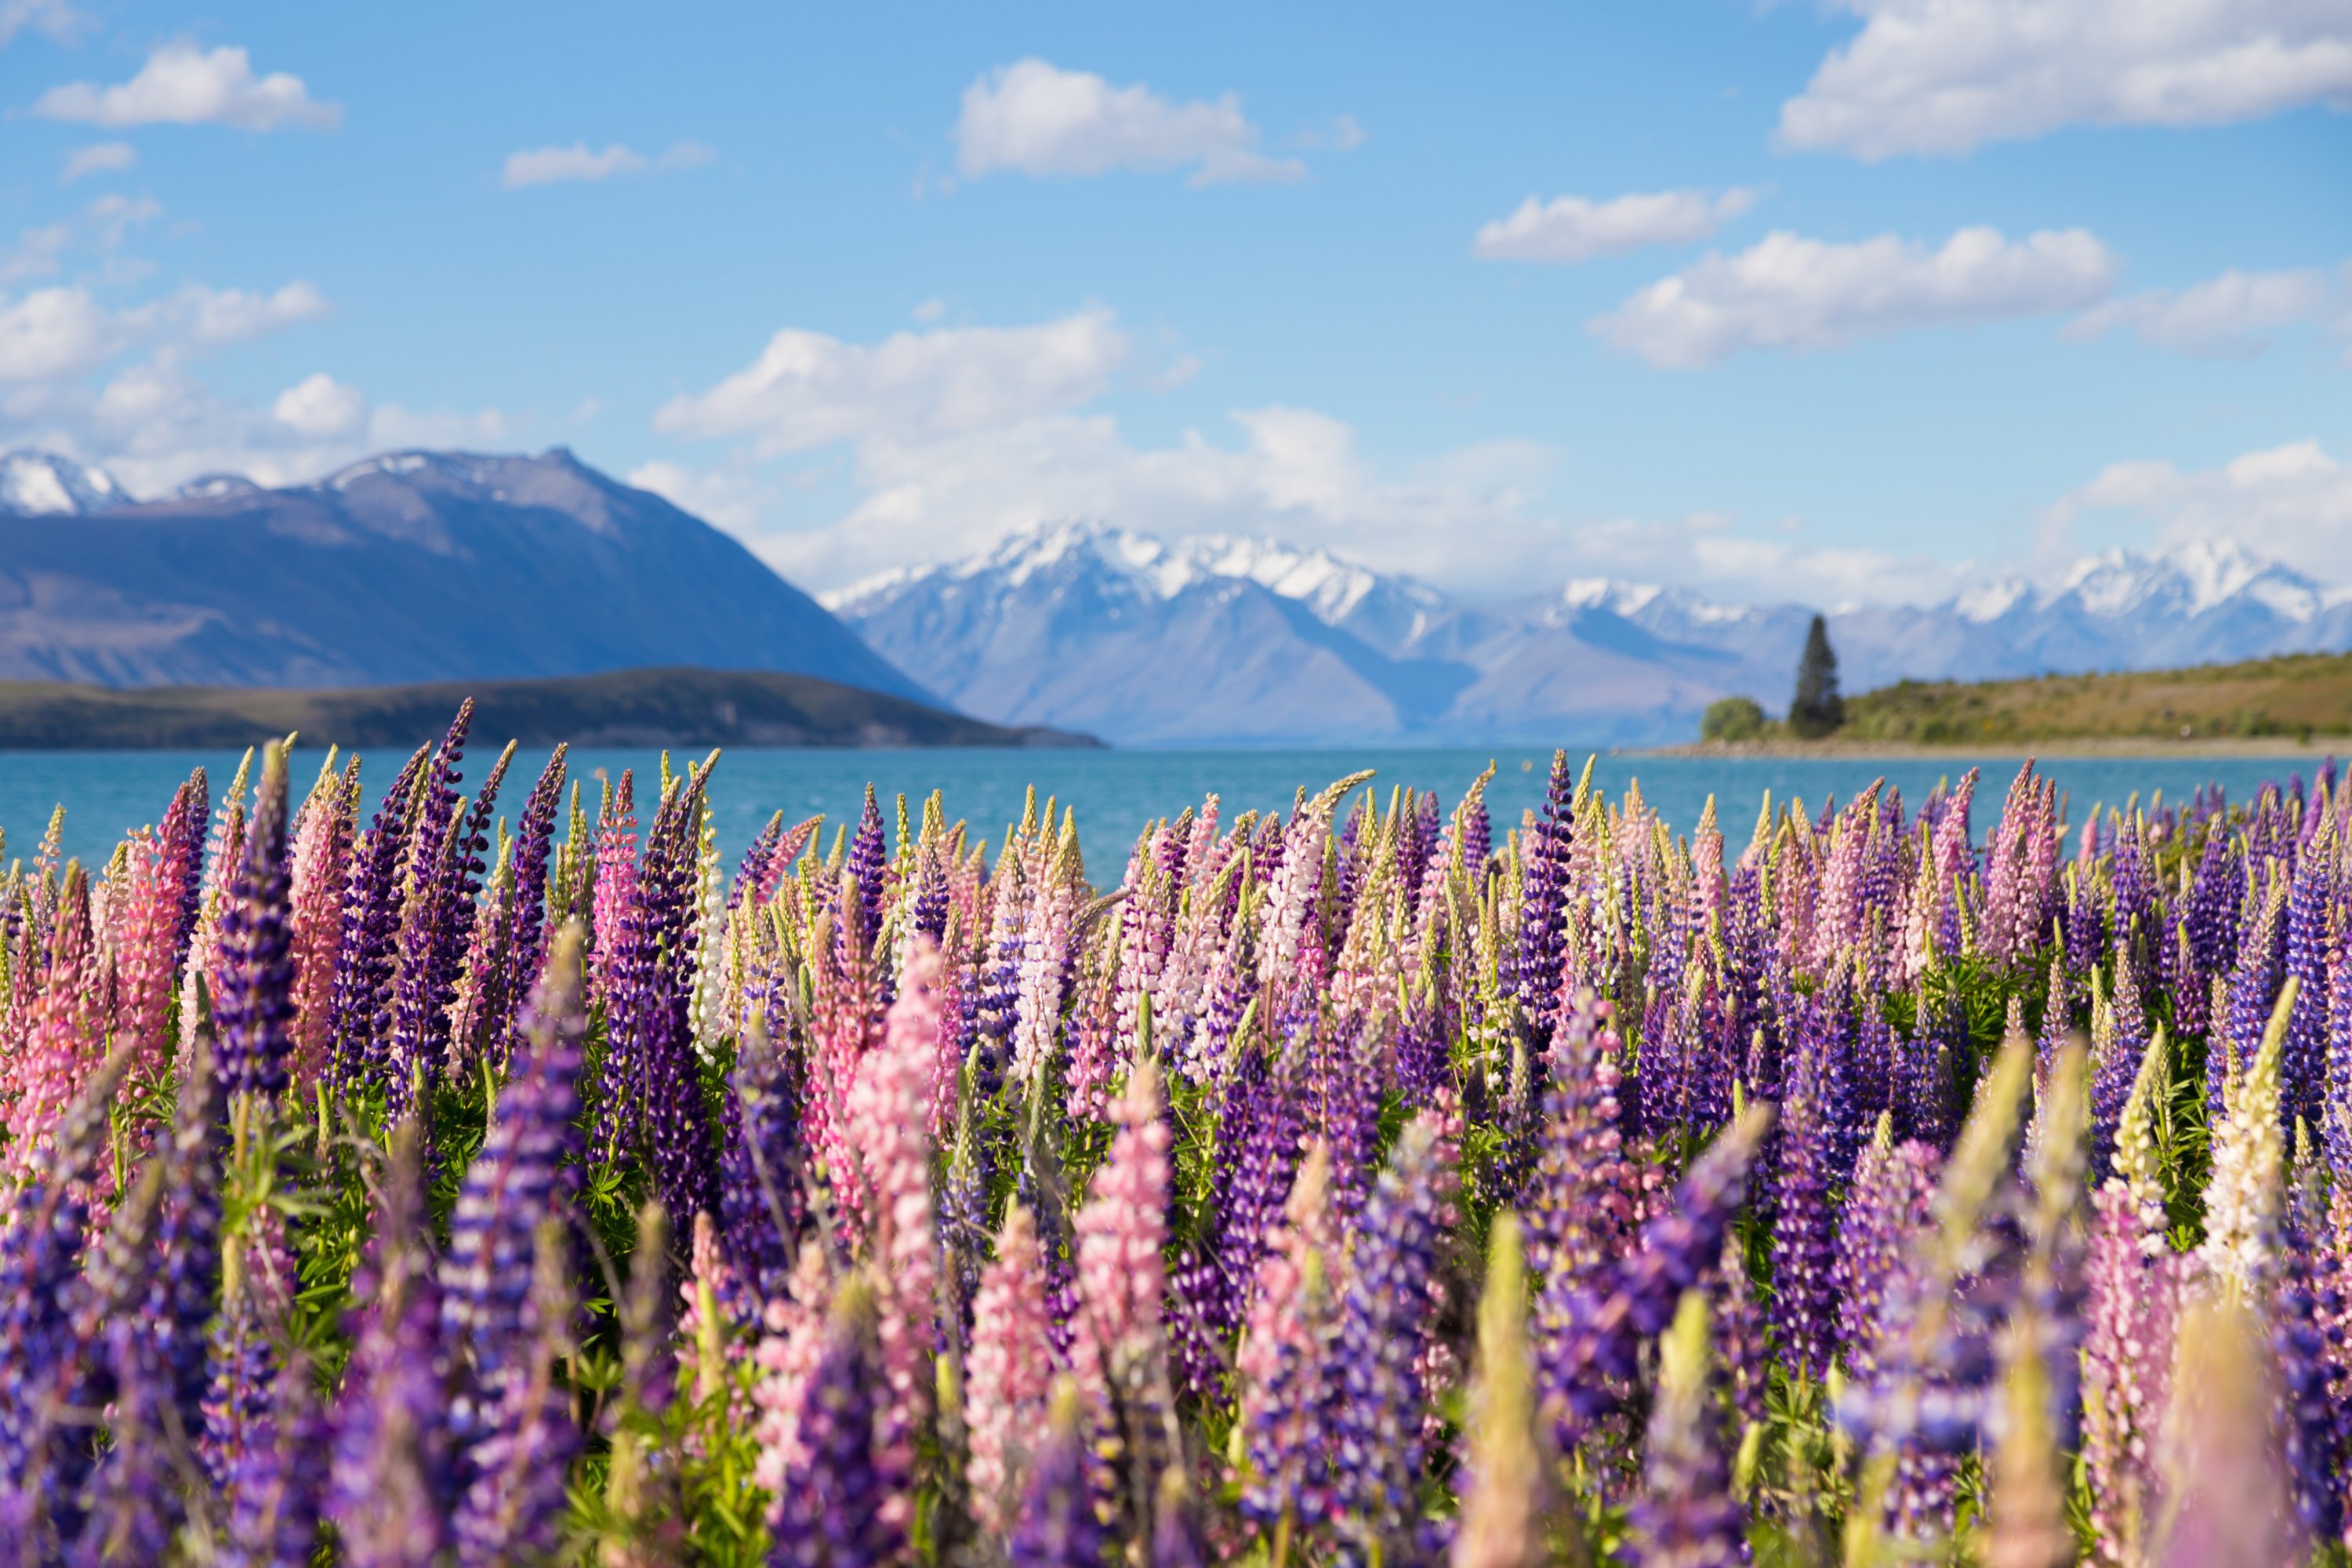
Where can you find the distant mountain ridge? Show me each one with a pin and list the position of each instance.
(410, 566)
(1219, 639)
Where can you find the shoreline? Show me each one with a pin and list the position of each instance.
(2317, 747)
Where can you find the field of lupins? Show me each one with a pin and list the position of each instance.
(1356, 1186)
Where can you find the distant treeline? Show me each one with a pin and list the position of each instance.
(624, 708)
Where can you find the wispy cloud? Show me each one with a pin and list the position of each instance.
(182, 85)
(1034, 118)
(1945, 76)
(98, 158)
(1794, 294)
(581, 163)
(1574, 228)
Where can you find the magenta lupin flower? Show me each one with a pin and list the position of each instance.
(1010, 1369)
(1122, 1230)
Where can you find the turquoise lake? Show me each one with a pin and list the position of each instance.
(1115, 793)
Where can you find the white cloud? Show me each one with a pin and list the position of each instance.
(1034, 118)
(182, 85)
(98, 158)
(1572, 228)
(1791, 294)
(729, 497)
(55, 18)
(155, 428)
(1709, 554)
(54, 334)
(810, 390)
(930, 311)
(1945, 75)
(50, 333)
(2223, 315)
(103, 226)
(547, 165)
(579, 162)
(2293, 503)
(323, 406)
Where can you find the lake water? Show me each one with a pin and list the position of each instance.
(1114, 792)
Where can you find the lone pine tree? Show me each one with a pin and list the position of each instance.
(1817, 709)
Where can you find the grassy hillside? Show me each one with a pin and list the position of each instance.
(2294, 697)
(626, 708)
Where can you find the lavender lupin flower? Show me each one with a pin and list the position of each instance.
(515, 1184)
(372, 911)
(393, 1482)
(1803, 1305)
(512, 1510)
(255, 1008)
(830, 1507)
(526, 939)
(1057, 1527)
(1686, 1517)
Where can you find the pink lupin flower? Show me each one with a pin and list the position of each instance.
(323, 849)
(844, 1028)
(67, 1033)
(1122, 1230)
(787, 1356)
(1011, 1370)
(149, 931)
(888, 1123)
(1051, 922)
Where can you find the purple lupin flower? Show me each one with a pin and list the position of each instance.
(2302, 1059)
(2253, 984)
(1057, 1527)
(830, 1509)
(513, 1510)
(433, 928)
(1685, 1516)
(1888, 1208)
(2308, 1417)
(1373, 1377)
(256, 1008)
(372, 910)
(1543, 895)
(44, 1355)
(1580, 1218)
(274, 1515)
(762, 1207)
(2211, 916)
(526, 943)
(1803, 1237)
(180, 841)
(517, 1183)
(1256, 1156)
(866, 859)
(393, 1484)
(1587, 1371)
(649, 1020)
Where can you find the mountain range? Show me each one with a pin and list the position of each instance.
(410, 566)
(1222, 640)
(421, 566)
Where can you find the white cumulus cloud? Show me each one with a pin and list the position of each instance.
(2229, 314)
(1788, 292)
(581, 163)
(182, 85)
(1945, 76)
(52, 332)
(323, 406)
(98, 158)
(1034, 118)
(1575, 229)
(807, 389)
(2294, 502)
(56, 18)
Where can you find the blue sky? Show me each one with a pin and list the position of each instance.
(1842, 302)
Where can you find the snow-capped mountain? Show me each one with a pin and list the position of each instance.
(42, 484)
(1217, 639)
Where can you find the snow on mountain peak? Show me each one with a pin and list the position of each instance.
(42, 484)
